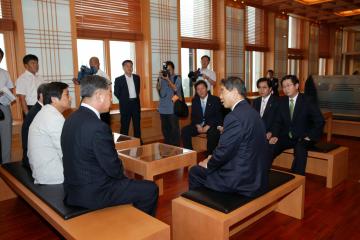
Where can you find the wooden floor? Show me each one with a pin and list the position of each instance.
(329, 213)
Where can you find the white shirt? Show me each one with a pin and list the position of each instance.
(203, 101)
(211, 74)
(264, 101)
(294, 99)
(27, 84)
(44, 149)
(131, 86)
(5, 80)
(92, 109)
(101, 73)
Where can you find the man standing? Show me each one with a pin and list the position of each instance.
(6, 123)
(299, 123)
(237, 165)
(274, 82)
(266, 104)
(207, 74)
(127, 90)
(44, 150)
(28, 83)
(206, 116)
(94, 175)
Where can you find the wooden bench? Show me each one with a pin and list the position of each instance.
(333, 165)
(119, 222)
(199, 143)
(192, 220)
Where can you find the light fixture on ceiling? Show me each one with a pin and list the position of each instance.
(348, 12)
(312, 2)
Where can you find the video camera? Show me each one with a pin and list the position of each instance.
(194, 75)
(85, 71)
(165, 71)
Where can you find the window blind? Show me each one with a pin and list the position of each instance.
(324, 38)
(114, 19)
(255, 29)
(6, 18)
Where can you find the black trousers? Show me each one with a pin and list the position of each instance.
(170, 129)
(131, 112)
(197, 177)
(189, 131)
(300, 147)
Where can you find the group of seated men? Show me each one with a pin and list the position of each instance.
(80, 151)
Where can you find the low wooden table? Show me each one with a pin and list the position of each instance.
(156, 158)
(123, 141)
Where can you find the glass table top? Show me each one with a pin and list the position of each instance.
(153, 152)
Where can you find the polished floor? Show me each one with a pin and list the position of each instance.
(329, 213)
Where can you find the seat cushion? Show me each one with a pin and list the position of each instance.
(324, 147)
(52, 195)
(227, 202)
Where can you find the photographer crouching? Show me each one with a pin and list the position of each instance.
(169, 88)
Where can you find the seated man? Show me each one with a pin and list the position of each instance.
(94, 175)
(44, 150)
(28, 120)
(299, 123)
(206, 116)
(239, 163)
(266, 104)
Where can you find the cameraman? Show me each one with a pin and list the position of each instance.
(169, 88)
(207, 75)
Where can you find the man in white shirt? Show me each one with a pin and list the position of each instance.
(207, 75)
(6, 123)
(28, 83)
(44, 148)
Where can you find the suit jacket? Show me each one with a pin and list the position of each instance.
(213, 115)
(275, 86)
(91, 163)
(121, 90)
(270, 111)
(25, 131)
(307, 119)
(240, 162)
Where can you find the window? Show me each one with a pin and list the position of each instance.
(118, 52)
(293, 67)
(322, 66)
(255, 29)
(254, 66)
(191, 61)
(294, 33)
(2, 46)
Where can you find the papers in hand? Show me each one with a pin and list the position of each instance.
(6, 97)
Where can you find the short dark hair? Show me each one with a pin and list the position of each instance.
(127, 61)
(200, 82)
(234, 82)
(206, 56)
(1, 53)
(53, 89)
(264, 80)
(170, 63)
(30, 57)
(271, 71)
(91, 83)
(293, 79)
(41, 90)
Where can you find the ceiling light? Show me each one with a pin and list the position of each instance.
(311, 2)
(348, 13)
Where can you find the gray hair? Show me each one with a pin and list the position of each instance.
(235, 82)
(91, 83)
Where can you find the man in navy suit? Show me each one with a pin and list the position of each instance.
(127, 90)
(274, 82)
(206, 116)
(239, 163)
(266, 104)
(28, 120)
(299, 123)
(93, 174)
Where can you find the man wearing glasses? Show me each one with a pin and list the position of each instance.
(298, 125)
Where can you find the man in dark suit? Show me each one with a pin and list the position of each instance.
(266, 104)
(299, 123)
(127, 90)
(93, 174)
(27, 122)
(274, 82)
(239, 163)
(206, 117)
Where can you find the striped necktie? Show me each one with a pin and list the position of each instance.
(291, 108)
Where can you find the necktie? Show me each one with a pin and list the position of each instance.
(203, 106)
(291, 108)
(262, 108)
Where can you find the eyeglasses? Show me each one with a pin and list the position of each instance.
(287, 86)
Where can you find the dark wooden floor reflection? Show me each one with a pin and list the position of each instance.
(329, 213)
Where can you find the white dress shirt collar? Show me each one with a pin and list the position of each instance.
(233, 107)
(294, 98)
(91, 108)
